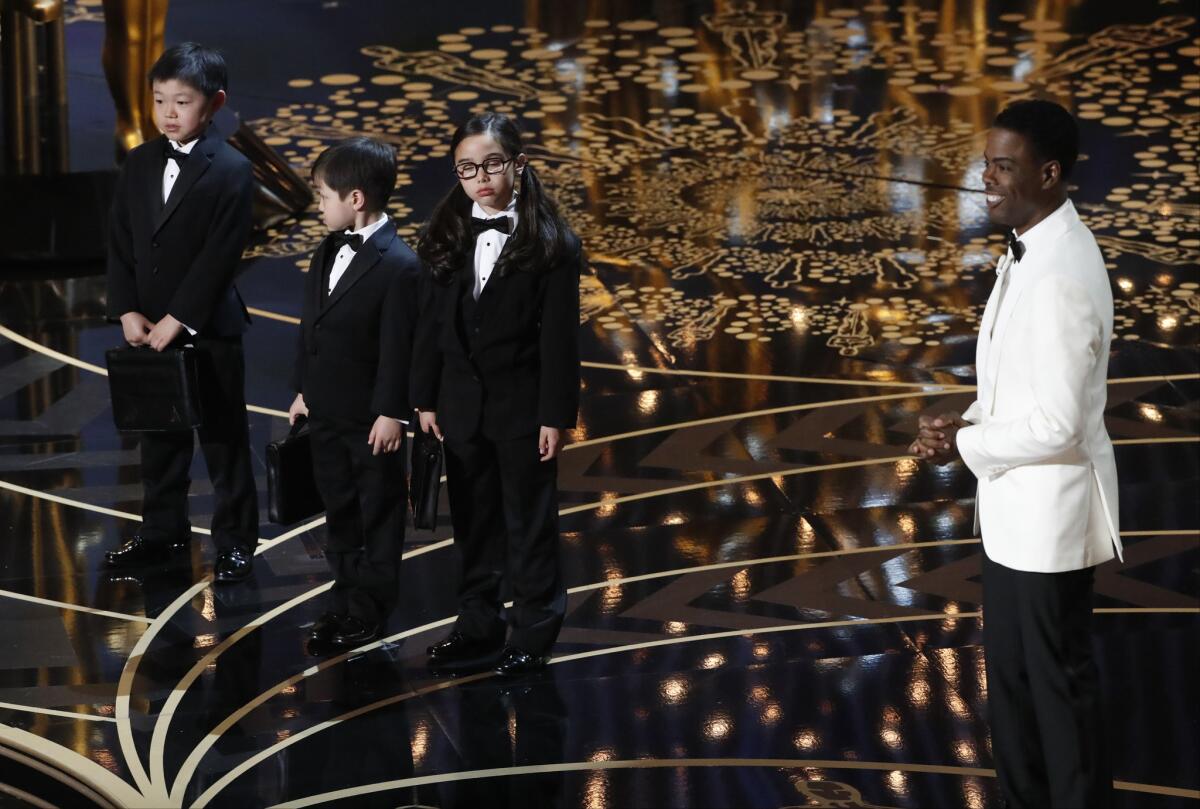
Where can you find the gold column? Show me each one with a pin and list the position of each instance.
(133, 40)
(21, 23)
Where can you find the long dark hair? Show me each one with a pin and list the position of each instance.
(542, 237)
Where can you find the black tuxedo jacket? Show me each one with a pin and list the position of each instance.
(180, 258)
(518, 367)
(354, 351)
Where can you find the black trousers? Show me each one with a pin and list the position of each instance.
(504, 508)
(365, 498)
(225, 443)
(1044, 701)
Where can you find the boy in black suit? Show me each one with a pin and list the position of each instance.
(179, 223)
(351, 378)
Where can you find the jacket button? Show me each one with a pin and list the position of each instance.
(476, 378)
(154, 245)
(318, 327)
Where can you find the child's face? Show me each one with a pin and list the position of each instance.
(338, 212)
(181, 111)
(492, 191)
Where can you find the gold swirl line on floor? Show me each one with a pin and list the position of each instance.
(266, 753)
(90, 717)
(612, 501)
(189, 766)
(48, 602)
(657, 763)
(66, 766)
(123, 698)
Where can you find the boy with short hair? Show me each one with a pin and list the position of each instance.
(180, 220)
(351, 376)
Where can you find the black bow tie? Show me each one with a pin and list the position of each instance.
(354, 240)
(500, 223)
(1016, 245)
(177, 155)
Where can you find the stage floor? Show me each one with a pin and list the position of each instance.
(770, 605)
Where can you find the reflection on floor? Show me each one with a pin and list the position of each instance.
(770, 605)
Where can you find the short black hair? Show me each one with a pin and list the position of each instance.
(362, 163)
(200, 67)
(1050, 129)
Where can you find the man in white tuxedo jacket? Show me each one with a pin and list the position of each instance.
(1036, 441)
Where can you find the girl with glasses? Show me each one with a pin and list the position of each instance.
(496, 377)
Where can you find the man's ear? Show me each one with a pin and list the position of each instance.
(1051, 173)
(520, 162)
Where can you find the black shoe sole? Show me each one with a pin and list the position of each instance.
(130, 564)
(508, 674)
(155, 557)
(226, 578)
(464, 665)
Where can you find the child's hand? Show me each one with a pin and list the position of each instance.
(298, 409)
(386, 435)
(164, 333)
(136, 326)
(428, 420)
(549, 442)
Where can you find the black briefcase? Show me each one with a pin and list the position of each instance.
(426, 484)
(154, 391)
(291, 488)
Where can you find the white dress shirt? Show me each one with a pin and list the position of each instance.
(170, 175)
(490, 243)
(345, 255)
(1047, 499)
(172, 168)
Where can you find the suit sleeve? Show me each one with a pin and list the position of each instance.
(122, 278)
(214, 268)
(298, 361)
(1069, 334)
(558, 382)
(427, 355)
(397, 327)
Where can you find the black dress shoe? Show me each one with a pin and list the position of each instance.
(456, 647)
(233, 566)
(353, 632)
(515, 663)
(137, 551)
(324, 627)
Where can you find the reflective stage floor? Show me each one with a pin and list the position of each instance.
(770, 605)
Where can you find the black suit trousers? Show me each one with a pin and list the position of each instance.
(1044, 701)
(504, 508)
(225, 443)
(365, 497)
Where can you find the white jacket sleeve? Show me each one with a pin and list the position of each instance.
(1067, 332)
(974, 413)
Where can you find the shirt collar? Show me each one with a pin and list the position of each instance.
(367, 231)
(186, 148)
(1038, 238)
(510, 210)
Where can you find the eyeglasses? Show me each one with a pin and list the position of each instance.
(493, 165)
